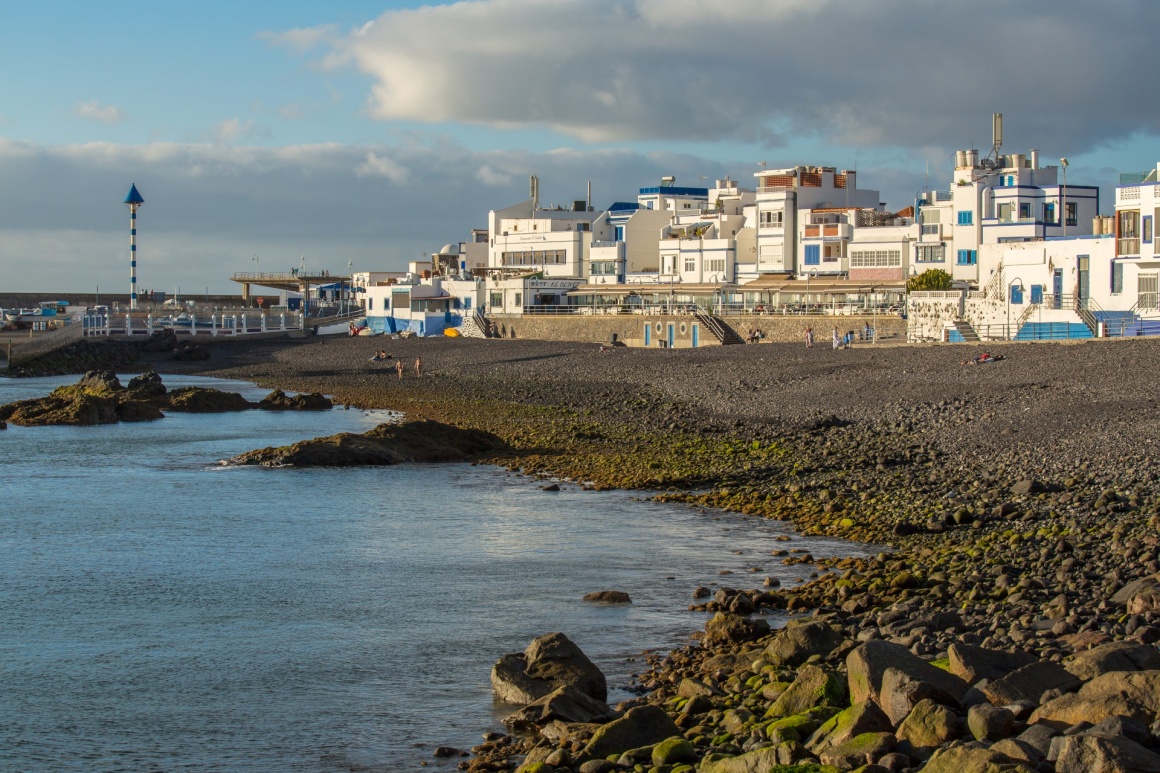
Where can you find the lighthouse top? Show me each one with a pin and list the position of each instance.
(134, 197)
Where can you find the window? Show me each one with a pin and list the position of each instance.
(1024, 211)
(715, 265)
(1072, 213)
(1004, 212)
(813, 254)
(519, 299)
(876, 259)
(619, 233)
(966, 217)
(968, 257)
(1049, 213)
(668, 264)
(1117, 277)
(1146, 232)
(772, 218)
(773, 252)
(930, 216)
(1037, 293)
(931, 229)
(648, 205)
(690, 264)
(497, 300)
(370, 304)
(930, 253)
(1016, 295)
(831, 253)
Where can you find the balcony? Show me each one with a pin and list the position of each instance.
(1127, 246)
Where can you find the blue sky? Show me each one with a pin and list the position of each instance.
(297, 128)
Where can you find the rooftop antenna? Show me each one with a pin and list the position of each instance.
(996, 134)
(589, 195)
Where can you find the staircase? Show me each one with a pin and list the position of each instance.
(476, 326)
(719, 329)
(966, 331)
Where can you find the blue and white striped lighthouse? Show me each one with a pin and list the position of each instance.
(134, 200)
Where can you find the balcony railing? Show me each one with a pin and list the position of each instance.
(1127, 246)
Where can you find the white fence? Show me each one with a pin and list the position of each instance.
(212, 325)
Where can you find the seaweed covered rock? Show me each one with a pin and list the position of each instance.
(280, 401)
(202, 400)
(413, 441)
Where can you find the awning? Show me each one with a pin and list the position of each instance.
(778, 283)
(677, 288)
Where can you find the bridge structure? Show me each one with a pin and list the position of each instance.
(292, 281)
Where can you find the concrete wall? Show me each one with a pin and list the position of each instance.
(629, 328)
(49, 342)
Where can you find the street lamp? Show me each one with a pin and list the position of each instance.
(805, 305)
(1010, 285)
(1063, 196)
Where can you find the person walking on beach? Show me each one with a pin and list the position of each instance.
(399, 368)
(836, 340)
(809, 337)
(418, 368)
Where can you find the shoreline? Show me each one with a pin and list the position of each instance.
(992, 483)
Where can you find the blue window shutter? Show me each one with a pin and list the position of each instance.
(813, 254)
(965, 217)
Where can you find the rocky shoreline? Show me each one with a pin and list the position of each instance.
(1013, 625)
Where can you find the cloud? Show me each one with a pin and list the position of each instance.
(227, 131)
(301, 40)
(889, 73)
(95, 111)
(489, 176)
(381, 166)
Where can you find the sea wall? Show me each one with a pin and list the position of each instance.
(629, 328)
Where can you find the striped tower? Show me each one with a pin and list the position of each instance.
(134, 201)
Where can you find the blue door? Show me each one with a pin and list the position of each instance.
(1037, 293)
(647, 334)
(696, 336)
(672, 334)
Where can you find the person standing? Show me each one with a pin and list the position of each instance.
(399, 368)
(418, 368)
(837, 341)
(809, 337)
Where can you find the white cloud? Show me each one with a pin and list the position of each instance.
(301, 39)
(228, 131)
(489, 176)
(381, 166)
(95, 111)
(893, 72)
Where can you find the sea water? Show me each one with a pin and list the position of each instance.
(159, 612)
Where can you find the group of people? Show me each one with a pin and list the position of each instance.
(983, 359)
(839, 340)
(382, 356)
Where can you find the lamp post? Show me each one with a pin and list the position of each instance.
(1063, 197)
(134, 202)
(1010, 285)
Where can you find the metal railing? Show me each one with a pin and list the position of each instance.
(128, 324)
(1130, 246)
(721, 309)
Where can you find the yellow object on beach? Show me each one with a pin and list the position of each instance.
(451, 332)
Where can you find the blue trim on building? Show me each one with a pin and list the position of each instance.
(673, 190)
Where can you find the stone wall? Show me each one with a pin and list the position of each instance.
(44, 344)
(629, 328)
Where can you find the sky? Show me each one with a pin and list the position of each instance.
(264, 135)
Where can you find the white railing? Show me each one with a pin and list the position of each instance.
(107, 324)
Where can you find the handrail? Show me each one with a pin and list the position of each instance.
(713, 324)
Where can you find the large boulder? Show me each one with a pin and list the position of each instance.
(148, 384)
(608, 597)
(928, 726)
(901, 692)
(203, 400)
(726, 628)
(971, 663)
(1029, 683)
(549, 662)
(65, 406)
(966, 759)
(100, 382)
(565, 704)
(813, 687)
(990, 723)
(860, 750)
(1140, 596)
(758, 761)
(860, 718)
(1113, 656)
(1095, 754)
(308, 401)
(868, 663)
(672, 751)
(642, 726)
(798, 642)
(1133, 694)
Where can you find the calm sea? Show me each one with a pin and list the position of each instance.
(161, 613)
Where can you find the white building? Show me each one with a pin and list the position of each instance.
(422, 305)
(555, 243)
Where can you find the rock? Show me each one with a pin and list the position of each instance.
(698, 704)
(758, 761)
(1029, 683)
(672, 751)
(448, 751)
(549, 662)
(188, 352)
(1094, 754)
(860, 718)
(1018, 750)
(1129, 728)
(1114, 656)
(608, 597)
(966, 759)
(641, 726)
(164, 340)
(550, 487)
(860, 750)
(100, 382)
(1025, 487)
(1134, 694)
(971, 663)
(813, 687)
(65, 406)
(202, 400)
(598, 766)
(798, 642)
(566, 704)
(1038, 737)
(725, 628)
(279, 401)
(1140, 596)
(902, 692)
(691, 688)
(148, 384)
(412, 441)
(867, 664)
(989, 723)
(928, 726)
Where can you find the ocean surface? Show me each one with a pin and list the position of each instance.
(159, 612)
